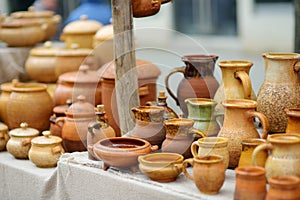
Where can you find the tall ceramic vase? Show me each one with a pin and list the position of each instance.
(198, 79)
(280, 89)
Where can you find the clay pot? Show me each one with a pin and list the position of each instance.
(284, 158)
(248, 146)
(147, 77)
(250, 183)
(198, 79)
(4, 137)
(4, 98)
(208, 173)
(239, 124)
(75, 125)
(293, 121)
(45, 150)
(161, 167)
(211, 145)
(75, 33)
(180, 135)
(20, 140)
(82, 82)
(284, 187)
(144, 8)
(282, 79)
(122, 152)
(29, 102)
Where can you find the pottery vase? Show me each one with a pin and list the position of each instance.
(284, 186)
(239, 124)
(293, 121)
(198, 81)
(280, 89)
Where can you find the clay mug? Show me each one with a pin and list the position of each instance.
(284, 157)
(4, 137)
(208, 173)
(211, 145)
(250, 183)
(293, 121)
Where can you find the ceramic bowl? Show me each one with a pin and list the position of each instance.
(121, 152)
(161, 167)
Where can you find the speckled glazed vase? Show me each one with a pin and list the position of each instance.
(280, 89)
(293, 121)
(284, 186)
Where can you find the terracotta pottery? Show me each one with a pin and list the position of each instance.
(98, 130)
(180, 135)
(144, 8)
(198, 79)
(4, 98)
(293, 121)
(284, 158)
(45, 150)
(248, 146)
(82, 82)
(75, 125)
(122, 152)
(161, 167)
(208, 173)
(283, 187)
(4, 137)
(75, 33)
(250, 183)
(20, 140)
(281, 78)
(147, 76)
(202, 111)
(211, 145)
(236, 83)
(239, 125)
(29, 102)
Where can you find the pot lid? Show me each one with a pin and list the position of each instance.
(29, 87)
(46, 139)
(3, 127)
(22, 22)
(46, 50)
(82, 26)
(7, 87)
(24, 131)
(32, 13)
(81, 106)
(83, 75)
(61, 109)
(105, 33)
(145, 70)
(74, 51)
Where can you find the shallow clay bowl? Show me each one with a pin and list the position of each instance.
(161, 167)
(122, 152)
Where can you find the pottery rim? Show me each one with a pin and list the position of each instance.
(282, 138)
(250, 170)
(253, 141)
(160, 159)
(213, 141)
(240, 103)
(280, 55)
(210, 159)
(294, 112)
(284, 180)
(199, 58)
(200, 101)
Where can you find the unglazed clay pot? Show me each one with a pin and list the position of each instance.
(250, 183)
(208, 173)
(161, 167)
(144, 8)
(239, 125)
(283, 187)
(45, 150)
(122, 152)
(293, 121)
(4, 137)
(284, 158)
(20, 140)
(282, 79)
(4, 98)
(198, 79)
(29, 102)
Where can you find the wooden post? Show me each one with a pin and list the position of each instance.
(124, 55)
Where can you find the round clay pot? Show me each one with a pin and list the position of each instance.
(283, 186)
(4, 98)
(4, 137)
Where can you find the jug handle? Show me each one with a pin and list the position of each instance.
(184, 166)
(264, 121)
(197, 133)
(175, 70)
(58, 120)
(194, 148)
(297, 67)
(259, 148)
(246, 82)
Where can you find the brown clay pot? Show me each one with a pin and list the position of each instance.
(284, 187)
(4, 98)
(293, 121)
(144, 8)
(4, 137)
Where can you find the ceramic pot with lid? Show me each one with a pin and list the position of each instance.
(20, 140)
(4, 137)
(45, 150)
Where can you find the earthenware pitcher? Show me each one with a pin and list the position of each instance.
(239, 125)
(202, 111)
(280, 89)
(293, 121)
(236, 83)
(284, 158)
(198, 79)
(284, 186)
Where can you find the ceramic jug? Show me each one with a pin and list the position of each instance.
(284, 158)
(236, 83)
(198, 79)
(293, 121)
(202, 111)
(239, 125)
(284, 186)
(280, 89)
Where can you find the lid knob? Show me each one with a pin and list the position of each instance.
(24, 125)
(161, 94)
(83, 17)
(48, 44)
(46, 133)
(81, 98)
(84, 68)
(100, 108)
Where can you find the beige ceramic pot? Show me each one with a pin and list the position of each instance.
(45, 150)
(161, 167)
(20, 140)
(4, 137)
(75, 33)
(4, 98)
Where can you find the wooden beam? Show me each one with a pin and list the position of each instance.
(124, 55)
